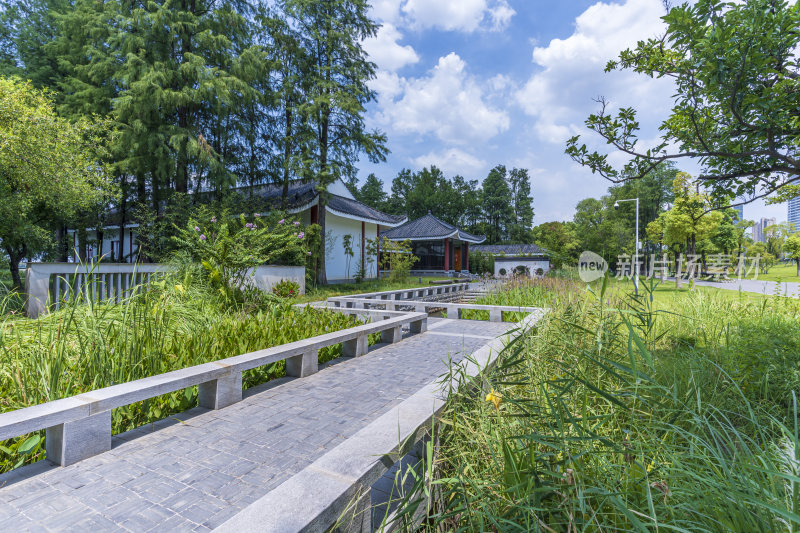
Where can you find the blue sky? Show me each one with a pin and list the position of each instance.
(469, 84)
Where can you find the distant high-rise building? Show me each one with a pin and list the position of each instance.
(794, 212)
(760, 226)
(739, 211)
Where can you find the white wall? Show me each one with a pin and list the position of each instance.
(336, 260)
(510, 265)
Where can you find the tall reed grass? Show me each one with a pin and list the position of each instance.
(172, 323)
(619, 413)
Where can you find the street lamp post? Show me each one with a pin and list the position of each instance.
(636, 250)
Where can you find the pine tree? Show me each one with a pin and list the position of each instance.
(520, 186)
(372, 193)
(497, 204)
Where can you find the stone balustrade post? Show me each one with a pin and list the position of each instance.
(419, 326)
(356, 347)
(80, 439)
(453, 312)
(221, 392)
(495, 315)
(302, 365)
(392, 335)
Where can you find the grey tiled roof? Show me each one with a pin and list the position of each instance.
(301, 194)
(510, 249)
(357, 209)
(429, 227)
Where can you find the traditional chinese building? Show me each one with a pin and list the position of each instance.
(517, 259)
(441, 247)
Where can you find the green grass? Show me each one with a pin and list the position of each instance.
(781, 272)
(175, 323)
(676, 411)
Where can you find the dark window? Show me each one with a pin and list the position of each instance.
(430, 254)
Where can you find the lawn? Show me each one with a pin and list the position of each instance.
(781, 272)
(674, 411)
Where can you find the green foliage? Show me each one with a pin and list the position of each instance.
(396, 257)
(736, 73)
(561, 241)
(481, 263)
(230, 248)
(792, 249)
(618, 414)
(50, 171)
(347, 246)
(286, 288)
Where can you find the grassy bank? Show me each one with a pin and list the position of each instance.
(675, 411)
(177, 322)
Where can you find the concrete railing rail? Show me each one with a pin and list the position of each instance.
(454, 310)
(407, 294)
(80, 426)
(50, 285)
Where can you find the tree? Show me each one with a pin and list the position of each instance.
(689, 223)
(735, 105)
(49, 171)
(372, 193)
(497, 204)
(775, 236)
(792, 249)
(560, 240)
(520, 185)
(331, 33)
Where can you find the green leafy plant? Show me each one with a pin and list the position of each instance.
(230, 248)
(286, 288)
(396, 257)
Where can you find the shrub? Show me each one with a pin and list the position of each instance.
(230, 248)
(286, 288)
(396, 256)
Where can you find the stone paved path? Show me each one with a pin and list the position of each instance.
(790, 289)
(193, 472)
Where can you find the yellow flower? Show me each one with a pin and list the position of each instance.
(179, 288)
(494, 397)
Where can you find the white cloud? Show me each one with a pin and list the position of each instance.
(448, 103)
(560, 95)
(452, 161)
(458, 15)
(386, 52)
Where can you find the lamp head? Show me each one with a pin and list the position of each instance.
(616, 205)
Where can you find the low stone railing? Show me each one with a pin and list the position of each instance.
(454, 310)
(406, 294)
(79, 427)
(50, 285)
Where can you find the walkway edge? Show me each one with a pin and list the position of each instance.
(314, 498)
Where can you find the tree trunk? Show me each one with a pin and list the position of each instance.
(322, 276)
(287, 151)
(61, 236)
(14, 257)
(123, 204)
(798, 267)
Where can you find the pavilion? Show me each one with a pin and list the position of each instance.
(441, 247)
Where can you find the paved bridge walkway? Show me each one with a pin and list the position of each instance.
(198, 469)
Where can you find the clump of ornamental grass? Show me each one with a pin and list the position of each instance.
(176, 321)
(633, 417)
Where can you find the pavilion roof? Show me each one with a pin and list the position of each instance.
(429, 228)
